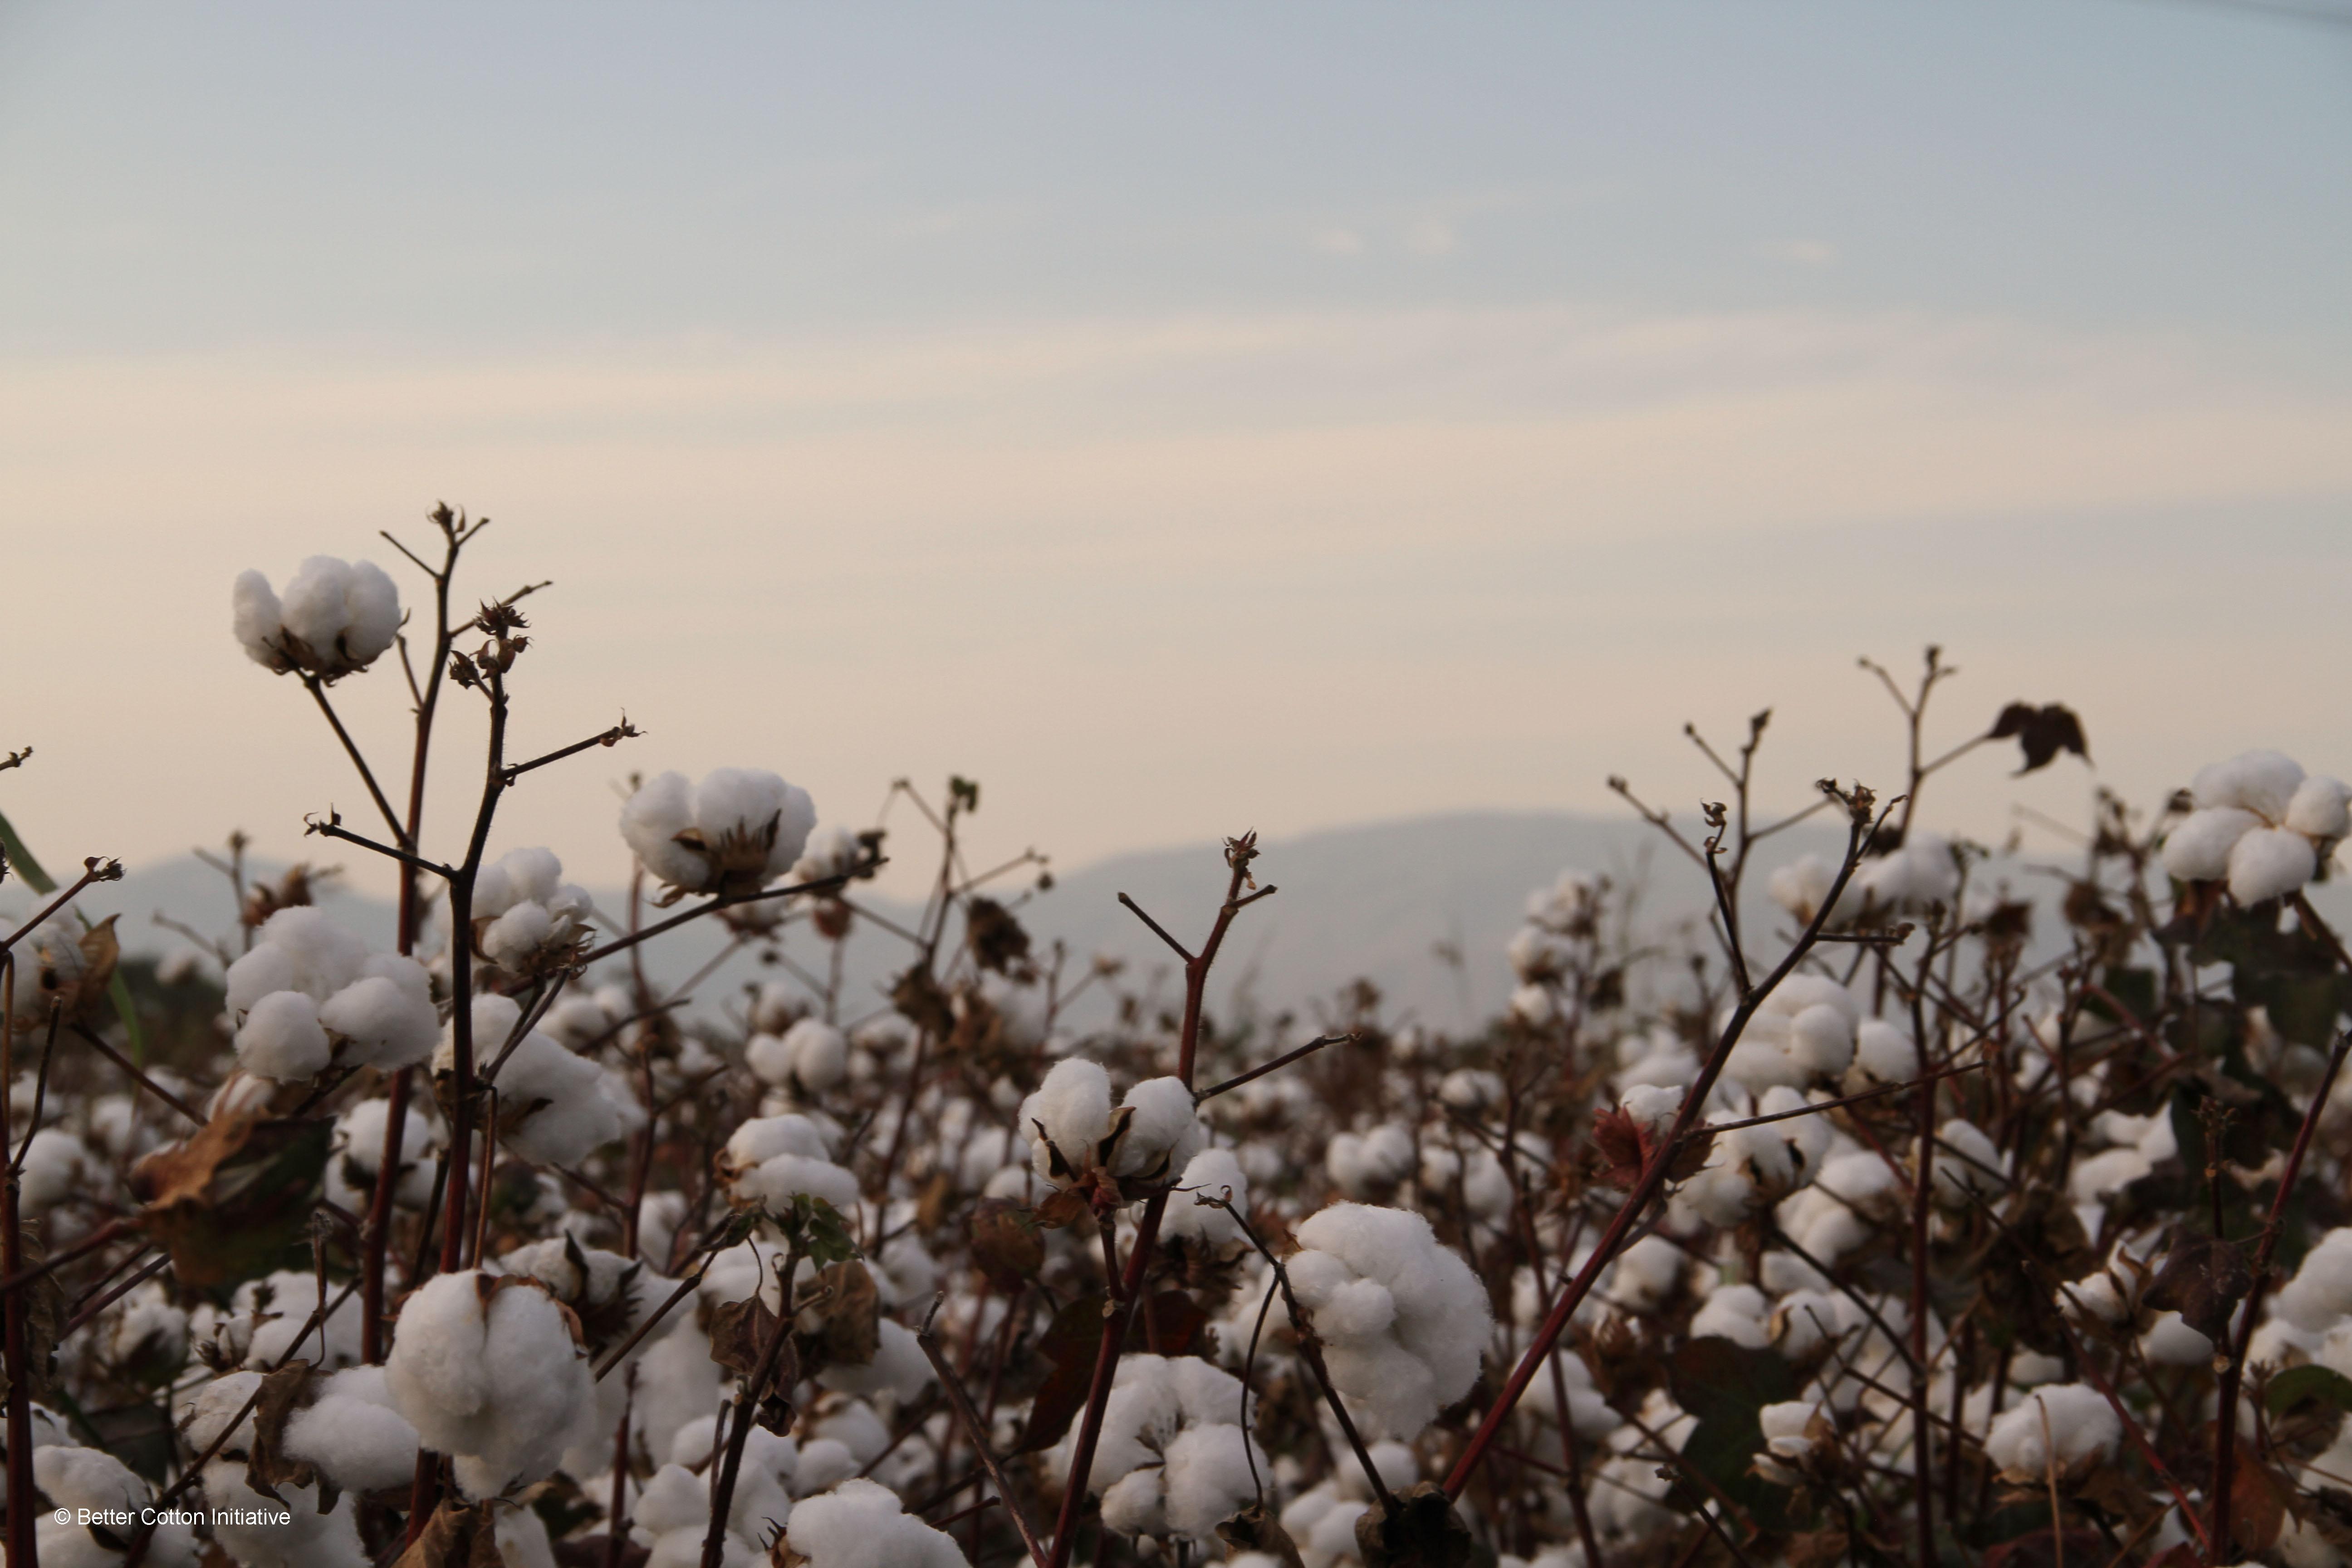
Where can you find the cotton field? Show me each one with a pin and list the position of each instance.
(1901, 1207)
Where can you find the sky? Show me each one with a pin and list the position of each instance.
(1180, 418)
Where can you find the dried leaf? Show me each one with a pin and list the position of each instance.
(1062, 1208)
(846, 1325)
(1623, 1144)
(1255, 1529)
(2040, 732)
(1817, 1549)
(2203, 1280)
(998, 941)
(1423, 1531)
(1005, 1243)
(923, 1003)
(740, 1332)
(268, 1465)
(1069, 1346)
(2258, 1497)
(456, 1538)
(230, 1200)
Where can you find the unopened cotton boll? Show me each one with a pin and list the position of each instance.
(862, 1525)
(735, 832)
(2080, 1423)
(486, 1368)
(335, 617)
(1402, 1317)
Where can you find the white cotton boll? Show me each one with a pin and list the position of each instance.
(2269, 863)
(651, 820)
(202, 1418)
(1163, 1131)
(899, 1367)
(2106, 1174)
(517, 933)
(1069, 1115)
(282, 1038)
(353, 1434)
(2080, 1423)
(1788, 1428)
(1366, 1163)
(1819, 1221)
(773, 1184)
(1427, 1356)
(1653, 1106)
(1206, 1477)
(1135, 1504)
(764, 1137)
(258, 620)
(2261, 781)
(384, 1024)
(267, 968)
(862, 1525)
(2094, 1297)
(1821, 1040)
(316, 601)
(1802, 1320)
(1737, 1312)
(832, 851)
(1212, 1173)
(488, 1370)
(1471, 1090)
(825, 1463)
(2197, 850)
(1802, 885)
(2321, 809)
(2321, 1292)
(1966, 1162)
(1533, 1006)
(76, 1478)
(1923, 872)
(574, 1116)
(820, 1054)
(278, 1307)
(736, 830)
(2169, 1342)
(518, 876)
(57, 1167)
(1646, 1272)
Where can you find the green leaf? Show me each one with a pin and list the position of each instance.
(2297, 1383)
(120, 995)
(21, 861)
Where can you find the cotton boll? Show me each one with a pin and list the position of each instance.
(2198, 850)
(1646, 1272)
(2320, 1294)
(2263, 783)
(2080, 1422)
(353, 1434)
(2106, 1174)
(1801, 886)
(2321, 809)
(57, 1168)
(1206, 1477)
(1966, 1162)
(735, 832)
(1068, 1118)
(1737, 1312)
(486, 1368)
(1212, 1173)
(571, 1114)
(1363, 1165)
(774, 1182)
(1821, 1040)
(899, 1368)
(258, 621)
(75, 1478)
(652, 823)
(282, 1038)
(862, 1525)
(2269, 863)
(1163, 1131)
(819, 1055)
(1427, 1356)
(2172, 1343)
(2095, 1296)
(381, 1022)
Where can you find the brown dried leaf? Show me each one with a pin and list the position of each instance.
(2258, 1497)
(268, 1465)
(847, 1318)
(1623, 1144)
(1255, 1529)
(1817, 1549)
(1005, 1243)
(2203, 1280)
(740, 1332)
(228, 1201)
(456, 1538)
(1062, 1208)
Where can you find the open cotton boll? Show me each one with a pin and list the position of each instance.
(1068, 1118)
(1801, 886)
(1206, 1477)
(1737, 1312)
(75, 1478)
(2321, 809)
(1883, 1053)
(1212, 1173)
(2081, 1425)
(355, 1154)
(335, 617)
(58, 1167)
(832, 851)
(1922, 873)
(812, 1056)
(2320, 1294)
(862, 1525)
(1966, 1162)
(353, 1434)
(735, 832)
(567, 1110)
(1163, 1131)
(1370, 1164)
(1406, 1364)
(282, 1038)
(486, 1368)
(1803, 1031)
(2263, 783)
(2270, 863)
(2197, 850)
(771, 1158)
(525, 912)
(899, 1367)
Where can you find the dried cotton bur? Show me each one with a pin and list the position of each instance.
(1909, 1202)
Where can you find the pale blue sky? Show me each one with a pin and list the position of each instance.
(1470, 392)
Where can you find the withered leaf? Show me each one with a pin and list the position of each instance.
(268, 1465)
(740, 1332)
(923, 1003)
(1623, 1144)
(998, 940)
(2258, 1497)
(2040, 732)
(1005, 1243)
(1061, 1207)
(2203, 1280)
(1255, 1529)
(848, 1316)
(456, 1538)
(1423, 1531)
(1817, 1549)
(230, 1199)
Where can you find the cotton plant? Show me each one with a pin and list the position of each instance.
(2260, 825)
